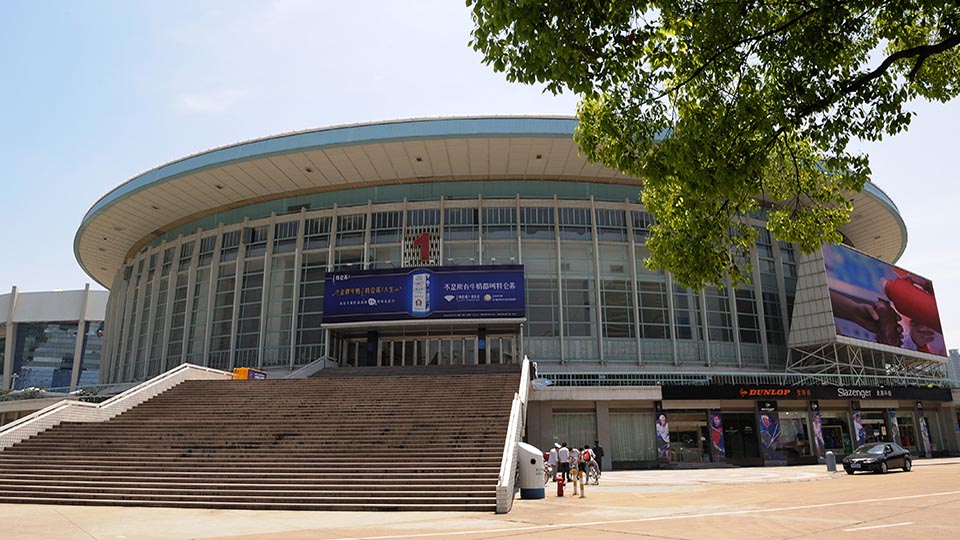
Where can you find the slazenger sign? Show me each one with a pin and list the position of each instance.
(864, 393)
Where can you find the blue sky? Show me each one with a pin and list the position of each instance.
(96, 92)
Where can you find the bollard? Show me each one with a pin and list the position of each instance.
(831, 462)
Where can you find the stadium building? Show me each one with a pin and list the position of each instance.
(464, 241)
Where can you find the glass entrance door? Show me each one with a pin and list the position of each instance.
(428, 351)
(687, 438)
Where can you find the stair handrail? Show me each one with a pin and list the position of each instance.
(305, 371)
(79, 411)
(507, 481)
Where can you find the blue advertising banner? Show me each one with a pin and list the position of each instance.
(439, 292)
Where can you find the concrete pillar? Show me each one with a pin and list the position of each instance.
(10, 336)
(78, 345)
(603, 434)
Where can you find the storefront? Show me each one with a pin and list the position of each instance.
(798, 425)
(669, 426)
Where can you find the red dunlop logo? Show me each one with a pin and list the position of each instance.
(765, 392)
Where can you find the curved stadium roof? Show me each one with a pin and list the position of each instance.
(376, 154)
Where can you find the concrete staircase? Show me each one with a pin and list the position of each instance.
(421, 438)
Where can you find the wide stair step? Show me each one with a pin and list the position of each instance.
(405, 438)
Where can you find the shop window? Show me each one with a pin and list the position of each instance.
(836, 432)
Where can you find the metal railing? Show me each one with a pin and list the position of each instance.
(78, 411)
(102, 391)
(673, 378)
(312, 368)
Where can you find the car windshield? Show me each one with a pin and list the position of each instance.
(870, 449)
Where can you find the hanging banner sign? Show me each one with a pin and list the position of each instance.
(439, 292)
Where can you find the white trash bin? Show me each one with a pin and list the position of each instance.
(531, 471)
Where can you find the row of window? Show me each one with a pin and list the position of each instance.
(232, 299)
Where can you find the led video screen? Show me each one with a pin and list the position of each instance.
(881, 303)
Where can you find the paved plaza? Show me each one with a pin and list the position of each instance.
(740, 503)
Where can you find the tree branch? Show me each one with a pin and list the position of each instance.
(921, 53)
(759, 37)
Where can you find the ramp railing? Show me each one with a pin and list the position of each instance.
(78, 411)
(507, 482)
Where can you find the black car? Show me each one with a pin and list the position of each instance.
(878, 457)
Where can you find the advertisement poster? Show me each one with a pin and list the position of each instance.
(894, 427)
(663, 436)
(441, 292)
(858, 428)
(925, 438)
(881, 303)
(717, 450)
(818, 446)
(770, 435)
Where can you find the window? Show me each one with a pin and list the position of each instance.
(611, 225)
(460, 224)
(575, 224)
(230, 246)
(653, 310)
(642, 222)
(537, 223)
(719, 320)
(500, 223)
(316, 233)
(285, 237)
(747, 319)
(385, 227)
(206, 250)
(186, 253)
(351, 229)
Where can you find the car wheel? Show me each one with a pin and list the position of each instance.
(883, 467)
(907, 465)
(849, 471)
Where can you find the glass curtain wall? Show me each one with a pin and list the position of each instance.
(252, 293)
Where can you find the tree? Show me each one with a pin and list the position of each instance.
(730, 109)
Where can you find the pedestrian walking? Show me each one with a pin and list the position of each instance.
(552, 460)
(563, 460)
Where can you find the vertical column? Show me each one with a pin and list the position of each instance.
(672, 318)
(237, 288)
(480, 230)
(8, 345)
(192, 272)
(212, 293)
(758, 297)
(782, 295)
(603, 433)
(123, 357)
(151, 309)
(634, 274)
(706, 325)
(78, 345)
(735, 321)
(561, 302)
(598, 280)
(142, 272)
(171, 300)
(297, 278)
(265, 292)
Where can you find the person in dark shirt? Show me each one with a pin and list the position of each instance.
(598, 455)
